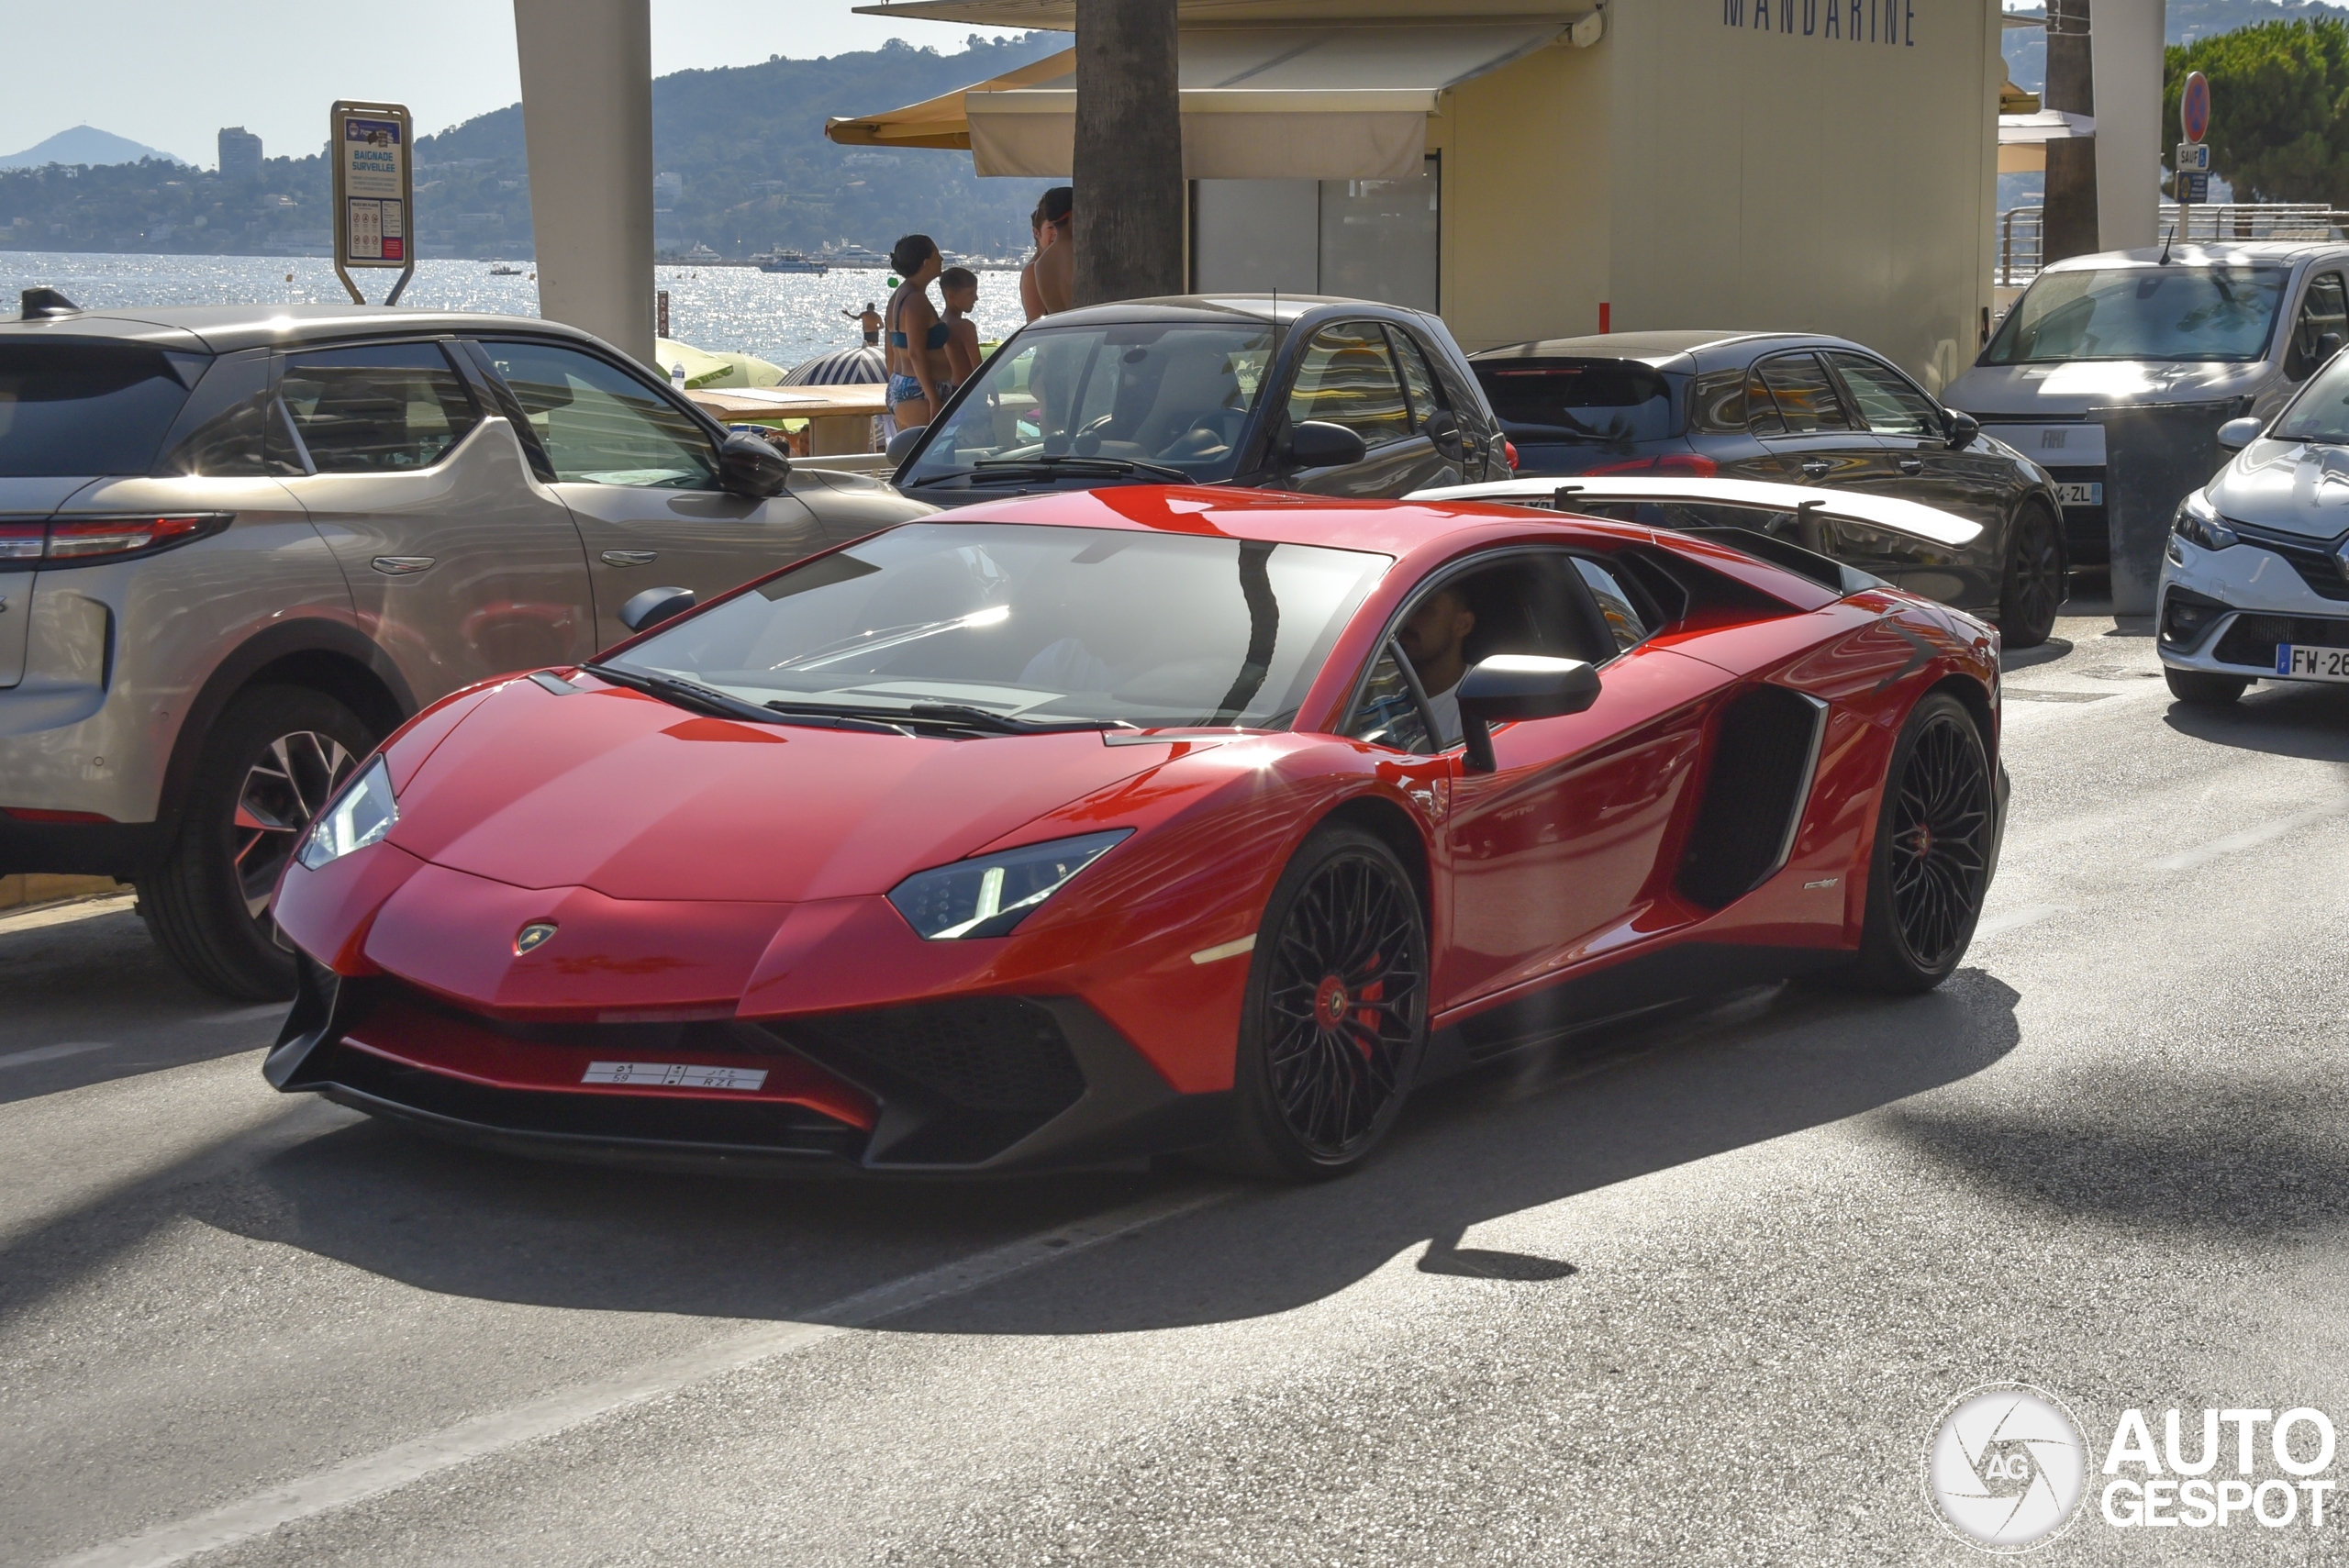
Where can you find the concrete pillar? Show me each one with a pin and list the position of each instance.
(2127, 47)
(2068, 222)
(587, 121)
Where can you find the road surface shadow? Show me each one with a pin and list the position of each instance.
(1539, 1126)
(2284, 719)
(2014, 658)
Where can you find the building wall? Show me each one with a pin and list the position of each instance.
(1528, 211)
(1767, 173)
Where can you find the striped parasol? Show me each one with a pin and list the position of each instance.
(859, 366)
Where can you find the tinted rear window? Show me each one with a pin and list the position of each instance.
(1580, 400)
(75, 406)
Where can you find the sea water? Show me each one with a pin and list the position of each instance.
(783, 317)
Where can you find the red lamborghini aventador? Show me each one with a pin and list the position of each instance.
(1087, 827)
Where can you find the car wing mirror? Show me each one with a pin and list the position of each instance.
(1963, 429)
(2237, 434)
(902, 444)
(655, 606)
(2327, 345)
(750, 467)
(1519, 685)
(1319, 443)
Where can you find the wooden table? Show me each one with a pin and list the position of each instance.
(839, 417)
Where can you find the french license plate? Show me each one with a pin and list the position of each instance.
(2080, 495)
(2313, 663)
(674, 1076)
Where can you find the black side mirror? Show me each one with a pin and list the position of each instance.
(902, 444)
(1963, 429)
(1318, 443)
(1443, 428)
(750, 466)
(1519, 685)
(2327, 345)
(655, 606)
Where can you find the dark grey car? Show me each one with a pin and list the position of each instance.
(1794, 410)
(1328, 396)
(238, 545)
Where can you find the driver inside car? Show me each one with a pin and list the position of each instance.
(1435, 638)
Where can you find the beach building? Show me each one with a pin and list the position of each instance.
(1529, 172)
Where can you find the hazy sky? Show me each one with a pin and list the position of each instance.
(171, 72)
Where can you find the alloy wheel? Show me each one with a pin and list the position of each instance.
(1346, 991)
(2038, 571)
(1940, 828)
(282, 792)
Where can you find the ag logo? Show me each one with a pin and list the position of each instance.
(2006, 1467)
(533, 935)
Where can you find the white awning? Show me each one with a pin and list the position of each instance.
(1319, 103)
(2023, 139)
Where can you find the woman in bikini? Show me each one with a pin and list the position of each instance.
(916, 338)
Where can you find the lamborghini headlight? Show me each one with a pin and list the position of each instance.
(987, 895)
(357, 817)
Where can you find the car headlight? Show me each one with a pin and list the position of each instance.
(357, 817)
(2198, 522)
(987, 895)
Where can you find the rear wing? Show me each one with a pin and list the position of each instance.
(1928, 523)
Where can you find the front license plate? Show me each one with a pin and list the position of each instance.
(2313, 663)
(2080, 495)
(674, 1076)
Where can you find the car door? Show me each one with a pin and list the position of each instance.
(1445, 427)
(1794, 410)
(1971, 481)
(1346, 375)
(639, 475)
(2319, 328)
(460, 563)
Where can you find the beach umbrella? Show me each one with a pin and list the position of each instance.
(843, 367)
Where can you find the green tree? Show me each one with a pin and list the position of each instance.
(2279, 108)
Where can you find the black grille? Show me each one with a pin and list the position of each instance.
(2315, 561)
(2251, 640)
(1753, 793)
(985, 1053)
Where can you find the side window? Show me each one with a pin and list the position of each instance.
(600, 425)
(1805, 397)
(1716, 400)
(1419, 383)
(1761, 412)
(225, 430)
(2325, 309)
(1617, 606)
(1344, 377)
(1886, 401)
(389, 408)
(1387, 715)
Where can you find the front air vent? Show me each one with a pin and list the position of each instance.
(1766, 744)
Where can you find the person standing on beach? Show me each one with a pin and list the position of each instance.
(1056, 263)
(959, 287)
(869, 319)
(916, 338)
(1031, 304)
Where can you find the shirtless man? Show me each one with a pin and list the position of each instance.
(916, 336)
(1030, 302)
(959, 287)
(868, 321)
(1434, 638)
(1056, 266)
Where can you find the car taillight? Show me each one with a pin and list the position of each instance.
(86, 539)
(1508, 451)
(1695, 463)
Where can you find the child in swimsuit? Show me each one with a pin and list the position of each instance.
(959, 287)
(916, 339)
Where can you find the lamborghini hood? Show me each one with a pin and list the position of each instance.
(627, 796)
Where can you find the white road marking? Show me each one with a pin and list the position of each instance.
(2021, 914)
(371, 1475)
(51, 1052)
(1228, 949)
(2251, 838)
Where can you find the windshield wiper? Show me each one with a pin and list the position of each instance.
(1071, 463)
(958, 716)
(696, 697)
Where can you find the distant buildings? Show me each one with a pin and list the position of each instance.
(240, 153)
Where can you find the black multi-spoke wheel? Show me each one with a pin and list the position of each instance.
(272, 760)
(2033, 589)
(1935, 839)
(1336, 1009)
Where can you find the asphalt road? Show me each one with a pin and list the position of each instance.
(1693, 1293)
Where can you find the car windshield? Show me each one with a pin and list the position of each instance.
(1579, 400)
(1031, 624)
(1170, 394)
(2321, 413)
(2141, 313)
(75, 406)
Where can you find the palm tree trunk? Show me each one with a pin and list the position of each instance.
(2069, 227)
(1130, 195)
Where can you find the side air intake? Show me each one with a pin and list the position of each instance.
(1765, 750)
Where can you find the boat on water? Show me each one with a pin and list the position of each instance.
(503, 270)
(858, 258)
(787, 262)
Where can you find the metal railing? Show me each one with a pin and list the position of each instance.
(2021, 230)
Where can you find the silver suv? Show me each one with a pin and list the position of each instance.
(240, 545)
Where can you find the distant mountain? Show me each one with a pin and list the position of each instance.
(2186, 20)
(85, 144)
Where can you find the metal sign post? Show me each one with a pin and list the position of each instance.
(2193, 162)
(374, 193)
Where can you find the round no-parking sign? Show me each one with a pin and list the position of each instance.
(2194, 107)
